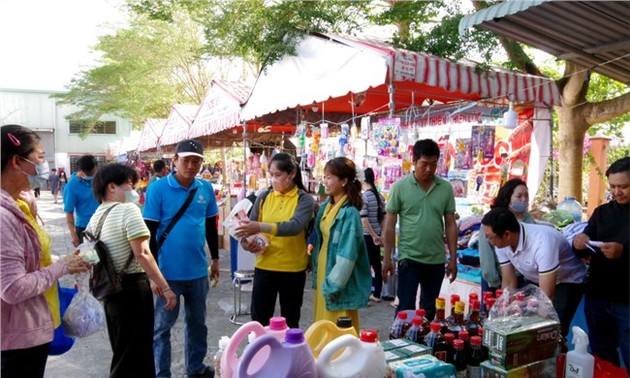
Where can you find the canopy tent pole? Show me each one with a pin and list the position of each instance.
(392, 105)
(245, 160)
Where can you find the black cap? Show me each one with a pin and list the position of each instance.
(189, 147)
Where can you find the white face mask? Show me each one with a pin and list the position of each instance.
(132, 196)
(42, 170)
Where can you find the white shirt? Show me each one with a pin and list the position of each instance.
(542, 250)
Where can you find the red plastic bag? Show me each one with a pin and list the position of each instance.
(605, 369)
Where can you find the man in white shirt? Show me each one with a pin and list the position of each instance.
(544, 257)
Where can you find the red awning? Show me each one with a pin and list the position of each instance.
(178, 123)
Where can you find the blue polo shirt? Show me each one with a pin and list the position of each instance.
(78, 198)
(182, 256)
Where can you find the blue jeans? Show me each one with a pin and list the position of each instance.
(194, 293)
(608, 329)
(428, 276)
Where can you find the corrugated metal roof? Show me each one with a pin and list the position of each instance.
(594, 34)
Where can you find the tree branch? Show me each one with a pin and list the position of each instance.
(598, 112)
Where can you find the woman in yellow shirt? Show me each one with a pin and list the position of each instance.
(282, 214)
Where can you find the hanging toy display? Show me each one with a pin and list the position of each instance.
(343, 139)
(386, 135)
(365, 128)
(301, 137)
(314, 148)
(324, 130)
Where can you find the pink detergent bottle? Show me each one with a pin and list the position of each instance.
(277, 327)
(291, 358)
(229, 359)
(363, 357)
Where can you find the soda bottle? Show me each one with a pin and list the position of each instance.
(414, 333)
(426, 325)
(517, 307)
(451, 318)
(458, 318)
(450, 349)
(471, 297)
(463, 336)
(459, 359)
(475, 357)
(473, 322)
(440, 308)
(434, 335)
(399, 326)
(488, 306)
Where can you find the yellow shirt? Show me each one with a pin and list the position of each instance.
(51, 294)
(319, 305)
(284, 253)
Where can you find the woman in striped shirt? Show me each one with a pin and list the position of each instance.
(129, 313)
(372, 215)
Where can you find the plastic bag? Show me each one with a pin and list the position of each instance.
(61, 343)
(239, 213)
(529, 301)
(85, 314)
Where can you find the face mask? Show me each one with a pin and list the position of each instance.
(42, 170)
(132, 197)
(88, 178)
(519, 207)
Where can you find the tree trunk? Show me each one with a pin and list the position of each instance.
(572, 126)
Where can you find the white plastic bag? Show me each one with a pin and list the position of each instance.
(238, 214)
(85, 314)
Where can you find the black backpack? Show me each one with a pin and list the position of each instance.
(104, 280)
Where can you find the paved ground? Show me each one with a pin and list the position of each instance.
(90, 356)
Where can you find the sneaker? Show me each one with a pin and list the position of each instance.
(208, 372)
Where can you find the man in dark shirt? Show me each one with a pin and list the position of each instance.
(607, 298)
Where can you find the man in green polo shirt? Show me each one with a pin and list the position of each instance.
(426, 206)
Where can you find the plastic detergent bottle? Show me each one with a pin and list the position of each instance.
(580, 364)
(229, 359)
(290, 358)
(363, 357)
(322, 332)
(277, 327)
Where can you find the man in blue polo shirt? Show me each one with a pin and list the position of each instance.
(425, 205)
(79, 203)
(182, 257)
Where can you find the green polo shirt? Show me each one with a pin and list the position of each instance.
(421, 218)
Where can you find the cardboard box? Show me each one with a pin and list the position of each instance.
(545, 368)
(525, 356)
(421, 366)
(519, 334)
(394, 344)
(394, 355)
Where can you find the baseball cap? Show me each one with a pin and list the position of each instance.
(189, 147)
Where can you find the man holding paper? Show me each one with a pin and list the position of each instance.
(605, 242)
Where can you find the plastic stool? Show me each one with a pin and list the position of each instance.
(240, 277)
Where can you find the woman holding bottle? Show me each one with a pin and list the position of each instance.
(282, 214)
(341, 268)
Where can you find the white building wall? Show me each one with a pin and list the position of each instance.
(36, 110)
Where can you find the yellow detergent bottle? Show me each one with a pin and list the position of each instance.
(322, 332)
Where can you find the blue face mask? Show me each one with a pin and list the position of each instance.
(41, 170)
(519, 207)
(88, 178)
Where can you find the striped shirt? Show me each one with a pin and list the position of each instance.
(370, 211)
(123, 224)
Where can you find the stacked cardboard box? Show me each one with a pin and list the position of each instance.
(425, 366)
(520, 345)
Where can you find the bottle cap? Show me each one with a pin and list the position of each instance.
(490, 302)
(369, 336)
(416, 321)
(402, 315)
(487, 294)
(294, 336)
(473, 295)
(475, 340)
(459, 307)
(421, 312)
(463, 334)
(449, 336)
(498, 293)
(435, 327)
(458, 344)
(440, 303)
(475, 305)
(277, 323)
(344, 322)
(454, 298)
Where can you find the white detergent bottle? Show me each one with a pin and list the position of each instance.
(580, 364)
(363, 357)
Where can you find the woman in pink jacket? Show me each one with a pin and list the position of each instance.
(27, 325)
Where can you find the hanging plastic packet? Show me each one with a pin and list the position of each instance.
(85, 314)
(88, 253)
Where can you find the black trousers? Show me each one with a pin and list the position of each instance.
(24, 363)
(374, 255)
(129, 317)
(270, 284)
